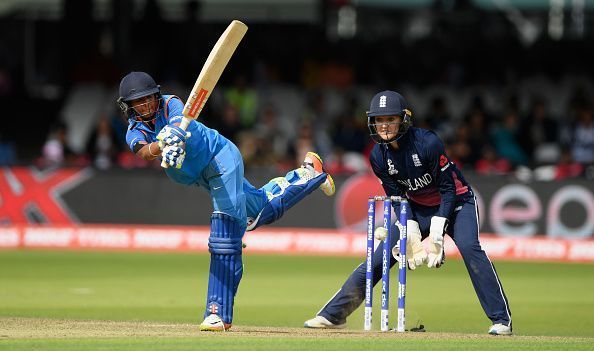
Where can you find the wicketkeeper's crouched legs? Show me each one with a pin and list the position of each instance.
(226, 266)
(483, 275)
(352, 292)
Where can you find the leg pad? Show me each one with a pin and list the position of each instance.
(226, 267)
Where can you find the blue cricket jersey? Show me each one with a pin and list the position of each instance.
(421, 170)
(200, 148)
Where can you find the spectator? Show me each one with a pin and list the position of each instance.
(438, 118)
(568, 167)
(346, 163)
(244, 99)
(459, 147)
(7, 153)
(302, 143)
(583, 137)
(540, 134)
(102, 147)
(118, 128)
(55, 152)
(316, 110)
(505, 140)
(478, 127)
(229, 125)
(350, 132)
(491, 163)
(270, 132)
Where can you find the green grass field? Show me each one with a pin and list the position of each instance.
(53, 300)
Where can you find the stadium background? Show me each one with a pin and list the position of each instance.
(508, 84)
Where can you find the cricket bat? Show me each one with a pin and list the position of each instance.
(211, 72)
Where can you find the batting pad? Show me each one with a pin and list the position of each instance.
(226, 267)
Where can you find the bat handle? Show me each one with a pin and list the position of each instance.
(185, 122)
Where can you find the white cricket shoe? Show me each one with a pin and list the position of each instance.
(214, 323)
(500, 329)
(319, 322)
(313, 162)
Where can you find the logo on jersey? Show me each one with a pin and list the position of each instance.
(416, 160)
(417, 183)
(213, 308)
(391, 169)
(382, 102)
(443, 162)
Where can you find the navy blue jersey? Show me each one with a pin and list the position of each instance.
(420, 170)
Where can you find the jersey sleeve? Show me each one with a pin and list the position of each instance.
(135, 138)
(174, 110)
(438, 165)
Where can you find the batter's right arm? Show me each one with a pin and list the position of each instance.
(149, 151)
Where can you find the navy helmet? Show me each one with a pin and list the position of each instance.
(388, 103)
(136, 85)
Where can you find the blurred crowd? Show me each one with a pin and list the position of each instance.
(275, 126)
(311, 95)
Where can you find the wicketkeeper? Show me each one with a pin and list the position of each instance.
(202, 157)
(412, 162)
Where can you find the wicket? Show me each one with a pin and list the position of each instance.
(386, 252)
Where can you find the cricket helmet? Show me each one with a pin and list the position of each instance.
(136, 85)
(388, 103)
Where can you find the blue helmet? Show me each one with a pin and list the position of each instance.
(136, 85)
(388, 103)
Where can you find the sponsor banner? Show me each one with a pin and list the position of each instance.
(551, 209)
(28, 195)
(507, 207)
(270, 241)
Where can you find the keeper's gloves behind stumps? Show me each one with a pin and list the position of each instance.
(416, 254)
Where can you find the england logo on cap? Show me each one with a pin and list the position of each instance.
(382, 101)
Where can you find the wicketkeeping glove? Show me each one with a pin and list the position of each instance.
(436, 256)
(173, 156)
(415, 252)
(173, 136)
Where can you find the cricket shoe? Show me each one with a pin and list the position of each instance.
(313, 163)
(214, 323)
(500, 329)
(319, 322)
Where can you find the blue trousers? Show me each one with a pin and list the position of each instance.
(235, 196)
(464, 230)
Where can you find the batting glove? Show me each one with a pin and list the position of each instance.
(173, 136)
(436, 255)
(416, 254)
(173, 156)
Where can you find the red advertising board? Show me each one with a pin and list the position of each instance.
(268, 240)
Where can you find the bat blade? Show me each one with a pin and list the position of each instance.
(211, 71)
